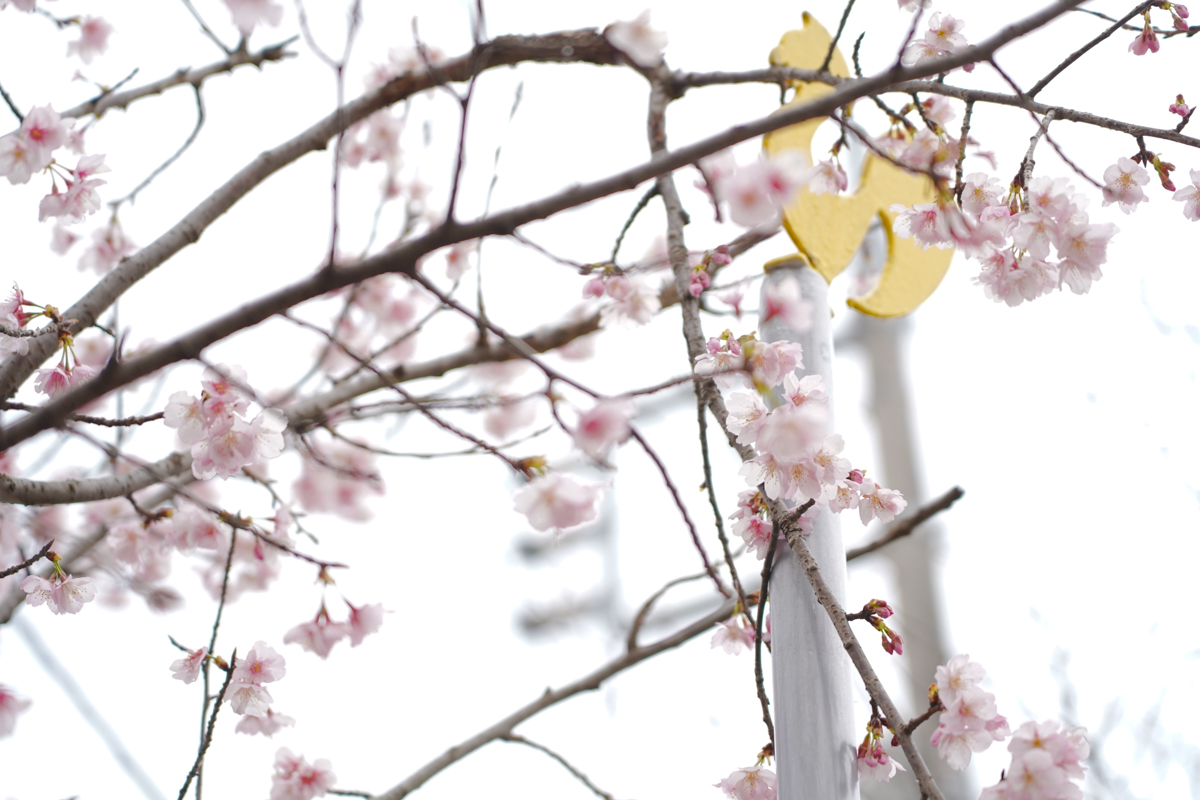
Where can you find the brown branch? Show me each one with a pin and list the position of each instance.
(589, 682)
(911, 726)
(908, 523)
(29, 562)
(518, 739)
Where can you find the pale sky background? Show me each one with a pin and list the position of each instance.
(1070, 421)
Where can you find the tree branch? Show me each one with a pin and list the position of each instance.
(908, 523)
(587, 683)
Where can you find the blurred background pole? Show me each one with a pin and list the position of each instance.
(920, 615)
(813, 701)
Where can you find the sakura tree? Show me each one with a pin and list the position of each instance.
(354, 305)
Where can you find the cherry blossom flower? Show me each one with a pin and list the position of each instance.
(750, 783)
(1146, 41)
(261, 665)
(318, 636)
(636, 39)
(924, 222)
(1179, 107)
(758, 191)
(187, 669)
(17, 159)
(877, 502)
(93, 39)
(1190, 197)
(62, 594)
(791, 431)
(604, 425)
(1123, 182)
(959, 675)
(336, 478)
(248, 13)
(44, 131)
(733, 636)
(10, 706)
(944, 32)
(267, 725)
(364, 620)
(250, 699)
(636, 302)
(61, 239)
(557, 501)
(827, 177)
(784, 301)
(509, 416)
(28, 6)
(295, 779)
(874, 762)
(109, 246)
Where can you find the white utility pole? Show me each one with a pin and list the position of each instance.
(813, 681)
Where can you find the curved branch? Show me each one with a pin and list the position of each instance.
(591, 682)
(21, 491)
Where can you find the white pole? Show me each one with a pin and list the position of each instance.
(815, 730)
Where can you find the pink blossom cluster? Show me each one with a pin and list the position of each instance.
(556, 501)
(749, 783)
(1011, 234)
(10, 706)
(66, 374)
(635, 300)
(336, 478)
(873, 761)
(295, 779)
(109, 245)
(603, 426)
(321, 634)
(93, 38)
(246, 693)
(1046, 760)
(970, 721)
(700, 277)
(931, 149)
(223, 441)
(379, 324)
(756, 193)
(1180, 107)
(62, 593)
(942, 38)
(875, 612)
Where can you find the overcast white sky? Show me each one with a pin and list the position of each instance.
(1070, 422)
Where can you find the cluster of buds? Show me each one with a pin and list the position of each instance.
(873, 760)
(875, 612)
(701, 280)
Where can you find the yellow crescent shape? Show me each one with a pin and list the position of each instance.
(828, 229)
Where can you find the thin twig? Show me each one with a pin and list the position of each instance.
(590, 682)
(908, 523)
(29, 562)
(517, 738)
(642, 202)
(212, 721)
(962, 149)
(833, 42)
(205, 29)
(1071, 59)
(687, 519)
(8, 101)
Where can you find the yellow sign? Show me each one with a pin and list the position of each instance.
(828, 229)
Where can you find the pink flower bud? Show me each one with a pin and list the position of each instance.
(593, 288)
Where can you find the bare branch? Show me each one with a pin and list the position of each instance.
(908, 523)
(29, 562)
(589, 682)
(513, 737)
